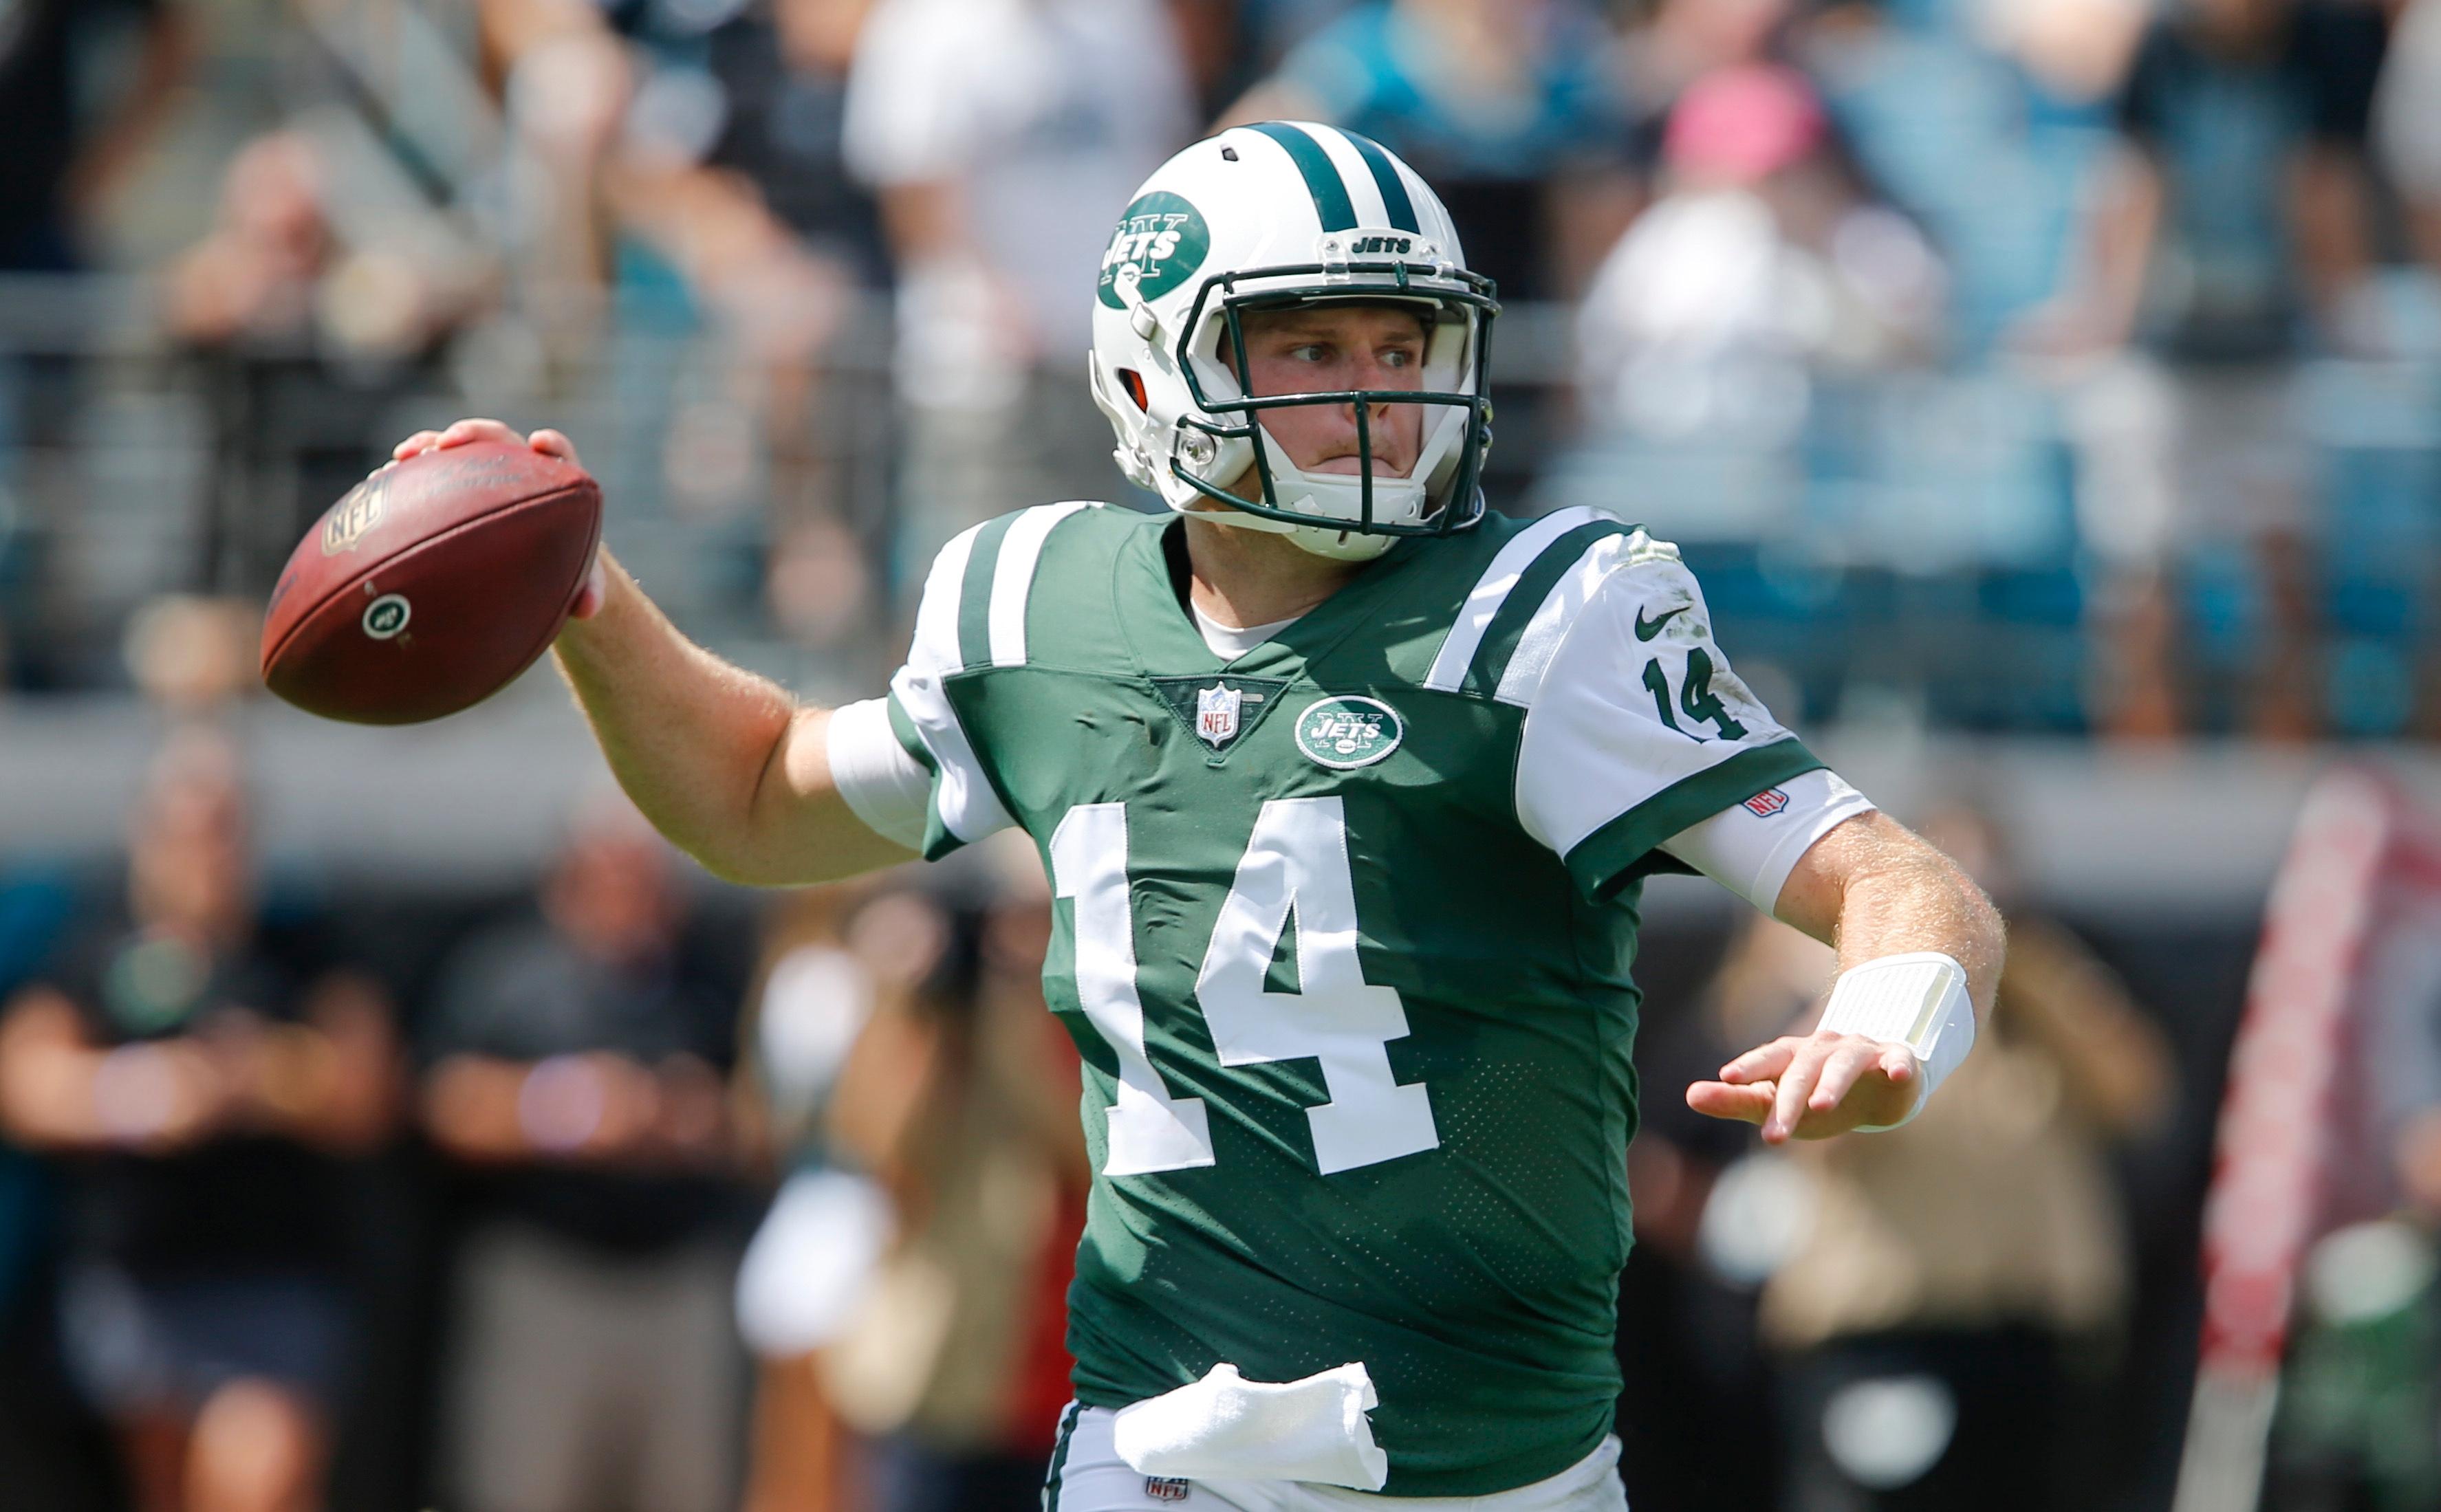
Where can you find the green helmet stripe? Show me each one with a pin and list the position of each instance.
(1322, 180)
(1386, 177)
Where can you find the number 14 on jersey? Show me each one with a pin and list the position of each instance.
(1295, 865)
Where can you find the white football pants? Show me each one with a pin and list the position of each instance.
(1087, 1475)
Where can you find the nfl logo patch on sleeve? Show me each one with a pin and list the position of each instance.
(1164, 1489)
(1765, 803)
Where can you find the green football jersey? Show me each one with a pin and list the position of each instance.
(1342, 932)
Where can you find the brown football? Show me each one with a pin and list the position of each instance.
(431, 586)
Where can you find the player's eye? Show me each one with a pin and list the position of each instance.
(1308, 352)
(1399, 357)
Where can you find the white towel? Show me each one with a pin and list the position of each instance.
(1225, 1426)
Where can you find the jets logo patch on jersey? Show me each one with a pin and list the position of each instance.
(1347, 731)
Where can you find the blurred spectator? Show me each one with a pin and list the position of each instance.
(812, 1263)
(732, 170)
(1004, 137)
(1682, 41)
(576, 1067)
(193, 656)
(964, 1100)
(325, 284)
(2248, 209)
(1695, 1421)
(1985, 122)
(2409, 127)
(319, 240)
(2236, 233)
(1761, 260)
(1932, 1312)
(1509, 108)
(61, 162)
(46, 1455)
(203, 1079)
(564, 84)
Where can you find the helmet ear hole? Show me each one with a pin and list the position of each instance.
(1135, 387)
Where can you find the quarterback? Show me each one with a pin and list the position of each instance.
(1345, 789)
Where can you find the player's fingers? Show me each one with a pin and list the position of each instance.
(553, 443)
(421, 441)
(590, 595)
(1762, 1063)
(464, 432)
(1750, 1104)
(1839, 1075)
(1796, 1085)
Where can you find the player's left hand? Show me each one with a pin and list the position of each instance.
(1811, 1087)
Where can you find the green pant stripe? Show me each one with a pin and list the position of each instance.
(1059, 1458)
(1516, 611)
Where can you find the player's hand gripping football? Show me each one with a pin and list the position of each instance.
(547, 441)
(1811, 1087)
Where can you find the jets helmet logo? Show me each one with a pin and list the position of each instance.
(1160, 242)
(1347, 732)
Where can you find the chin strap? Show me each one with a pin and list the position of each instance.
(1339, 545)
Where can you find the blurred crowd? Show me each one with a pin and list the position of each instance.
(2059, 366)
(618, 1197)
(629, 1194)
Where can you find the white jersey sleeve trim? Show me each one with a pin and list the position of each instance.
(1749, 848)
(1013, 578)
(882, 784)
(964, 799)
(1492, 589)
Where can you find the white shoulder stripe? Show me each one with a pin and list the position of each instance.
(1013, 578)
(935, 646)
(969, 807)
(966, 804)
(1492, 589)
(1554, 616)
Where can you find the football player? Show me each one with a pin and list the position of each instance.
(1345, 788)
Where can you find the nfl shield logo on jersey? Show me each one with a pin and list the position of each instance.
(1216, 714)
(1765, 803)
(1164, 1489)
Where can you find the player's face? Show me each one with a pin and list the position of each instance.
(1343, 346)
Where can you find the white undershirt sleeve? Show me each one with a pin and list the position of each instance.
(883, 784)
(1751, 848)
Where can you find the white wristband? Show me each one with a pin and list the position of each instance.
(1918, 1001)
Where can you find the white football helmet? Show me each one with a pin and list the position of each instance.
(1258, 217)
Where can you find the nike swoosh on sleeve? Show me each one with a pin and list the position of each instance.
(1647, 629)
